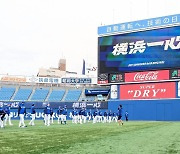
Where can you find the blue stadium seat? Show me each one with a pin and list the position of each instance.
(40, 94)
(6, 93)
(56, 95)
(73, 95)
(23, 94)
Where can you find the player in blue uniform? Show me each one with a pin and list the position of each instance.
(100, 116)
(114, 116)
(2, 115)
(64, 112)
(97, 119)
(105, 117)
(89, 115)
(120, 112)
(21, 114)
(94, 117)
(109, 116)
(59, 112)
(76, 116)
(8, 115)
(33, 115)
(52, 116)
(126, 115)
(73, 115)
(47, 112)
(85, 115)
(80, 115)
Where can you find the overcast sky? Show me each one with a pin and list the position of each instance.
(37, 33)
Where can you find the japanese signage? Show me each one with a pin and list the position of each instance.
(43, 80)
(90, 105)
(148, 91)
(76, 80)
(147, 76)
(55, 105)
(12, 79)
(139, 25)
(139, 51)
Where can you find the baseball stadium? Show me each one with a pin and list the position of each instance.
(138, 69)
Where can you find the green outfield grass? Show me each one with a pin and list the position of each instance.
(133, 137)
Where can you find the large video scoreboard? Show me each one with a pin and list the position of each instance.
(150, 53)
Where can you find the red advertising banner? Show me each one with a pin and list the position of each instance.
(147, 76)
(148, 91)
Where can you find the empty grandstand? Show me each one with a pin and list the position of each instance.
(23, 94)
(73, 95)
(40, 94)
(56, 95)
(6, 93)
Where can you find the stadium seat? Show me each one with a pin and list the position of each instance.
(23, 94)
(56, 95)
(6, 93)
(73, 95)
(40, 94)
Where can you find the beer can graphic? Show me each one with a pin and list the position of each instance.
(114, 90)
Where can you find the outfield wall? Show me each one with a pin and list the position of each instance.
(160, 110)
(154, 110)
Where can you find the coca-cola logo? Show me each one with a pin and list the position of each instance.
(146, 76)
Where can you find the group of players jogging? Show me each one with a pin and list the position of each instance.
(78, 116)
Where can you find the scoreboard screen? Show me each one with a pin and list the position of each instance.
(139, 51)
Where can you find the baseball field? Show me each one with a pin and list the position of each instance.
(132, 138)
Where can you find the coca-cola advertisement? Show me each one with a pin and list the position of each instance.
(148, 91)
(147, 76)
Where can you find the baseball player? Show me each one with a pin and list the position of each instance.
(64, 114)
(105, 117)
(126, 115)
(8, 115)
(109, 116)
(73, 115)
(47, 112)
(2, 115)
(120, 112)
(85, 115)
(21, 114)
(80, 115)
(114, 116)
(59, 113)
(89, 115)
(94, 117)
(76, 116)
(33, 115)
(52, 116)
